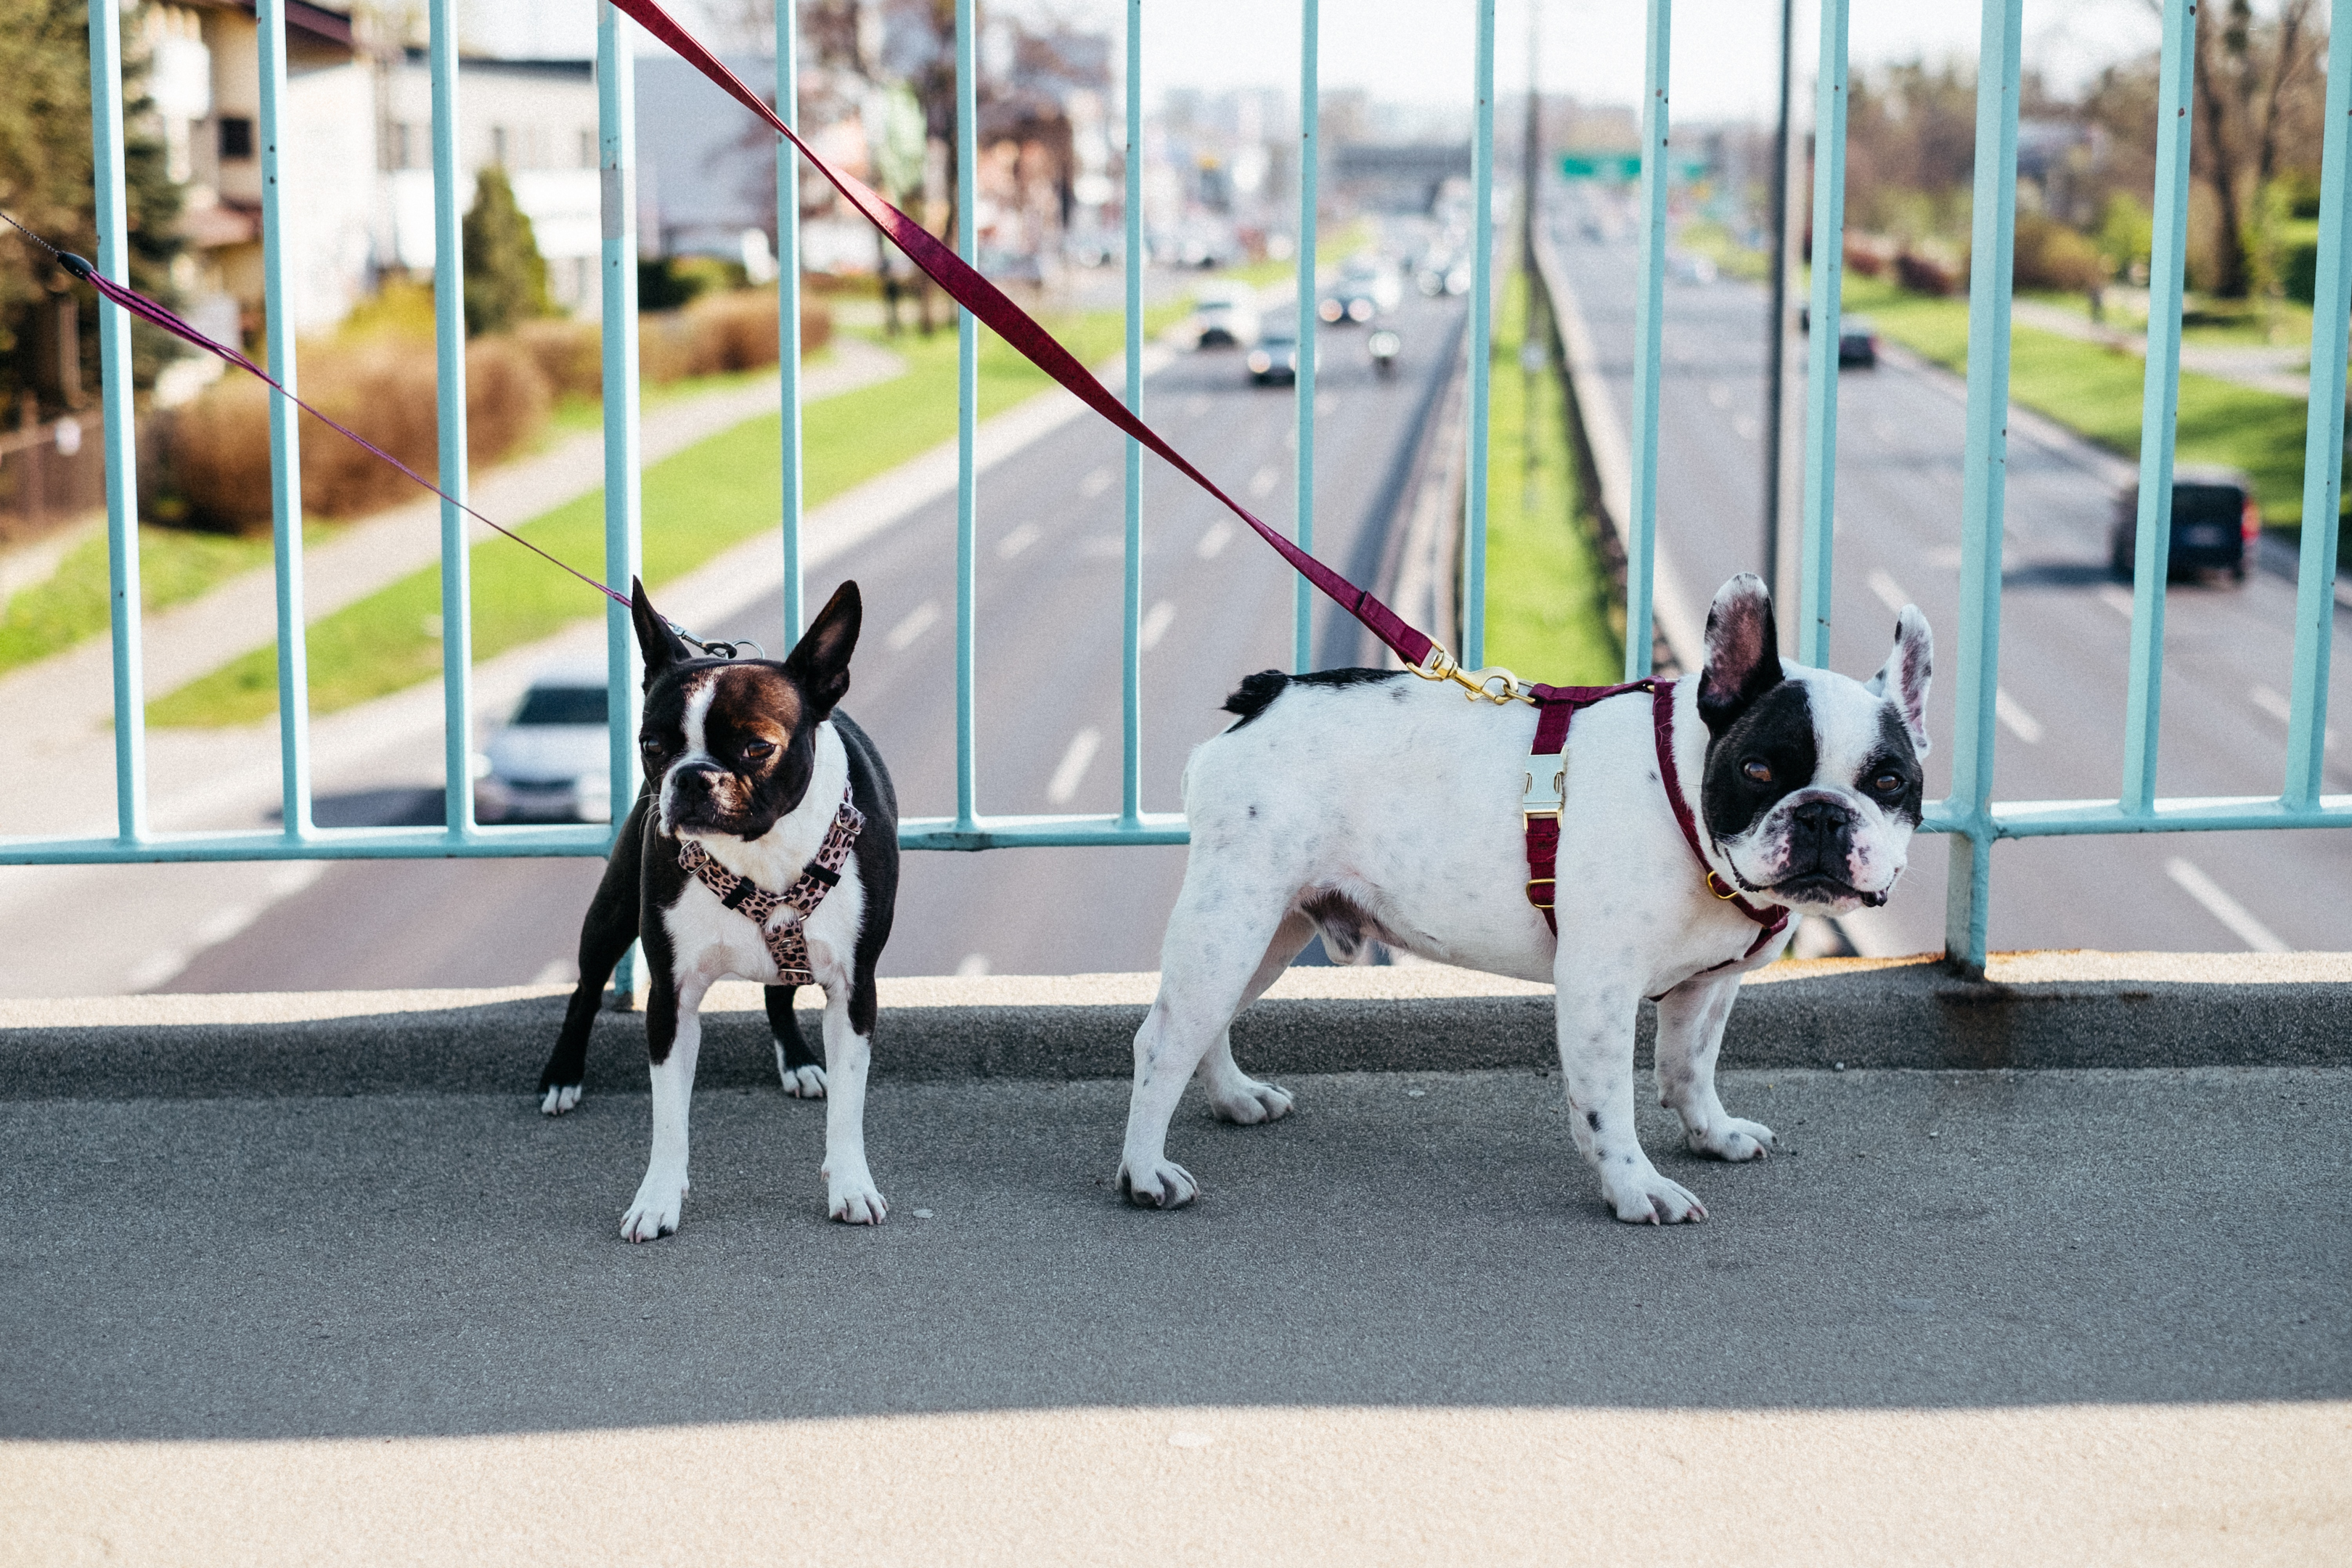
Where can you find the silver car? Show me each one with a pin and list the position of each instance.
(552, 762)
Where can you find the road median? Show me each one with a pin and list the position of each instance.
(2040, 1010)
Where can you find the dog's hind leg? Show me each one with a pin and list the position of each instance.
(1232, 1094)
(1690, 1032)
(605, 936)
(800, 1069)
(1207, 964)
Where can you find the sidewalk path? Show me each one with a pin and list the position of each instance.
(60, 699)
(2284, 370)
(1962, 1318)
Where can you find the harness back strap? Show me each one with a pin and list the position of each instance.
(1546, 793)
(787, 941)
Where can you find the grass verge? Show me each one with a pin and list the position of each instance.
(1548, 614)
(716, 493)
(175, 565)
(2096, 392)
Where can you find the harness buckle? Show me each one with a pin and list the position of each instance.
(1547, 790)
(1546, 902)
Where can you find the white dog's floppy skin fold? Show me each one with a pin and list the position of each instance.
(1368, 805)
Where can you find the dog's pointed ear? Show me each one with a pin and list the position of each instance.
(1743, 652)
(819, 662)
(1903, 680)
(660, 646)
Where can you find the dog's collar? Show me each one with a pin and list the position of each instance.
(788, 941)
(1547, 794)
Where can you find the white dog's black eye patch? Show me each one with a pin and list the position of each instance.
(1897, 756)
(1776, 731)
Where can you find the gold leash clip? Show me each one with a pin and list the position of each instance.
(1492, 684)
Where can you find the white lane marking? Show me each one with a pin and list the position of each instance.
(1219, 534)
(557, 972)
(1156, 622)
(1261, 483)
(2222, 907)
(2117, 599)
(971, 967)
(1095, 483)
(1890, 593)
(1074, 762)
(1947, 556)
(2014, 717)
(225, 922)
(1019, 540)
(2280, 708)
(919, 621)
(1748, 427)
(1719, 394)
(157, 968)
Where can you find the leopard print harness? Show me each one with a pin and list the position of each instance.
(787, 941)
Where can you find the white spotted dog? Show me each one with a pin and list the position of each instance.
(763, 847)
(1373, 805)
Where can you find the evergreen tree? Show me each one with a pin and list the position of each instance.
(506, 278)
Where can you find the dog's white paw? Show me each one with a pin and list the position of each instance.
(1247, 1103)
(1641, 1197)
(1167, 1186)
(1732, 1138)
(656, 1213)
(558, 1100)
(853, 1199)
(801, 1083)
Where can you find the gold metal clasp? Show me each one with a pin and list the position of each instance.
(1492, 684)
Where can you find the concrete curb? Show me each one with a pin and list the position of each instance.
(2034, 1011)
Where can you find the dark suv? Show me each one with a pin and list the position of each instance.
(2215, 522)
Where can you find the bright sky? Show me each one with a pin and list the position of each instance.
(1422, 51)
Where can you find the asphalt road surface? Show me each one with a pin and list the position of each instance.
(1216, 608)
(2064, 639)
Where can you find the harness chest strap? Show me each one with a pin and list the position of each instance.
(1547, 792)
(787, 942)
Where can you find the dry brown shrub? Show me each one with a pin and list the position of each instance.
(2052, 256)
(731, 332)
(665, 347)
(220, 445)
(816, 326)
(1869, 255)
(570, 355)
(1924, 272)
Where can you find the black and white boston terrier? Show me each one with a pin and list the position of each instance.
(1370, 805)
(764, 845)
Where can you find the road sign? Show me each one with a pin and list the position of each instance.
(1623, 167)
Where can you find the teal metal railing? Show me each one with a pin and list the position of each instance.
(1969, 814)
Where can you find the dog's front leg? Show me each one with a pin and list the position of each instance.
(850, 1195)
(1596, 1057)
(673, 1040)
(1690, 1032)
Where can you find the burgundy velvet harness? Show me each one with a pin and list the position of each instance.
(788, 942)
(1556, 709)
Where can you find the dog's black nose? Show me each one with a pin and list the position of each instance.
(1818, 816)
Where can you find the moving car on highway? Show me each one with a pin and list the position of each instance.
(1225, 317)
(2215, 521)
(553, 762)
(1274, 360)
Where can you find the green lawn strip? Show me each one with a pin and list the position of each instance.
(1548, 613)
(698, 502)
(2096, 392)
(175, 565)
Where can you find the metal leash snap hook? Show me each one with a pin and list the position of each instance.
(1482, 683)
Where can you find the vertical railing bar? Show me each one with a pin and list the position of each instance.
(1480, 347)
(2323, 460)
(2159, 403)
(787, 303)
(967, 406)
(1130, 789)
(1649, 314)
(1310, 114)
(120, 433)
(1984, 476)
(285, 444)
(1821, 346)
(449, 345)
(616, 106)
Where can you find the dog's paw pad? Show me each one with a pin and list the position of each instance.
(1251, 1102)
(803, 1083)
(558, 1100)
(1651, 1199)
(1167, 1186)
(654, 1216)
(856, 1202)
(1733, 1138)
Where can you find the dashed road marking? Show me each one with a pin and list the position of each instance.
(2015, 719)
(1073, 769)
(2280, 708)
(2222, 907)
(2117, 599)
(1890, 593)
(1220, 534)
(1095, 483)
(1019, 540)
(1261, 483)
(1156, 622)
(971, 966)
(919, 620)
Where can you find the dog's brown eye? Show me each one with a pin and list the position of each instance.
(1757, 770)
(1887, 783)
(754, 750)
(650, 748)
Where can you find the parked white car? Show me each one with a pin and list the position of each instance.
(1226, 316)
(553, 760)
